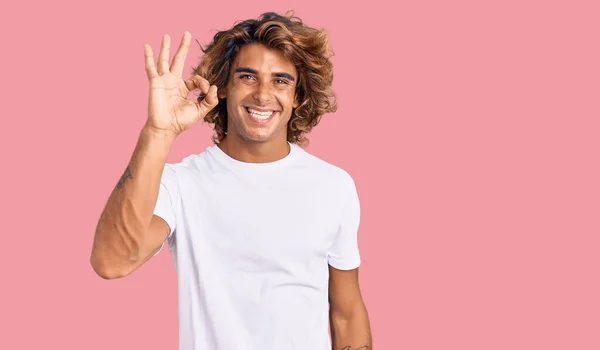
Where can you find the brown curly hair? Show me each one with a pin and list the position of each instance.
(305, 47)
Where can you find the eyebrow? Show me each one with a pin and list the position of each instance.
(253, 71)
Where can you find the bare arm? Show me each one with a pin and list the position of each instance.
(128, 233)
(350, 329)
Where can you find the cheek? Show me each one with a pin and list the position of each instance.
(286, 98)
(235, 97)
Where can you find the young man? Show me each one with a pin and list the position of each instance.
(263, 235)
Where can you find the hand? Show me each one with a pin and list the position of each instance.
(169, 109)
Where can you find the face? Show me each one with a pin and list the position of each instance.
(260, 95)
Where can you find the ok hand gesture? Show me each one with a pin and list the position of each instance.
(169, 109)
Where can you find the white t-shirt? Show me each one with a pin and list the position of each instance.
(251, 244)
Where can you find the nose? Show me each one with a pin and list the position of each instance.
(263, 93)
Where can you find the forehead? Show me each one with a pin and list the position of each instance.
(263, 59)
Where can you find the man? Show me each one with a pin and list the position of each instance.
(263, 235)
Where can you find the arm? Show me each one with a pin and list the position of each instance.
(128, 233)
(350, 329)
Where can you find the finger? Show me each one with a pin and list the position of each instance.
(163, 57)
(181, 54)
(208, 103)
(211, 98)
(150, 67)
(197, 82)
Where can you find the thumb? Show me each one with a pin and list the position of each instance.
(209, 102)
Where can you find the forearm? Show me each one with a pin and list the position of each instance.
(129, 209)
(351, 332)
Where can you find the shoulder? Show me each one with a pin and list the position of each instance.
(190, 163)
(178, 173)
(334, 175)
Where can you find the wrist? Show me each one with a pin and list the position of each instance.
(158, 134)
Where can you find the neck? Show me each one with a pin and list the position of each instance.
(255, 152)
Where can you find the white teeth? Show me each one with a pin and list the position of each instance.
(259, 114)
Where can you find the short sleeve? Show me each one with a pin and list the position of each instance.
(344, 252)
(168, 196)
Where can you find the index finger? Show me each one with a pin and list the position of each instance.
(181, 54)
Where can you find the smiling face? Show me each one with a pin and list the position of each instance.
(260, 95)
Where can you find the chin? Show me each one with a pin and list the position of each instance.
(258, 135)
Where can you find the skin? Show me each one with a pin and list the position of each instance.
(260, 78)
(128, 234)
(348, 316)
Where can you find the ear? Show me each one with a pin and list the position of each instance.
(296, 102)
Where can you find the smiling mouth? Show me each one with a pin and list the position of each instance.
(260, 116)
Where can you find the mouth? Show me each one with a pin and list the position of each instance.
(259, 115)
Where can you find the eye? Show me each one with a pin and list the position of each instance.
(246, 76)
(281, 81)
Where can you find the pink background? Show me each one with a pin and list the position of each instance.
(471, 130)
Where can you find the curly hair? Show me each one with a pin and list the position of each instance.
(305, 47)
